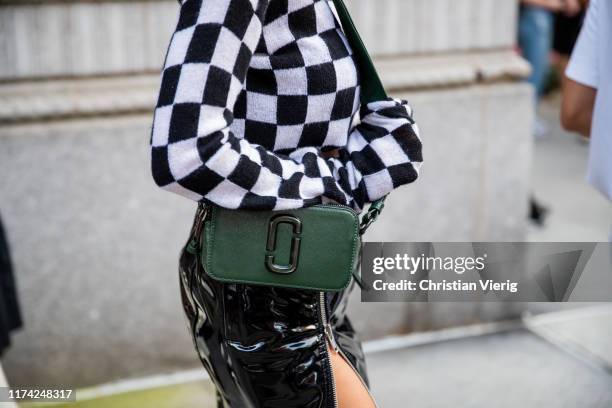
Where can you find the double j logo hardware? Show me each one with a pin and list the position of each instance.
(273, 225)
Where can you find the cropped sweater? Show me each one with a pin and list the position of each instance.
(253, 92)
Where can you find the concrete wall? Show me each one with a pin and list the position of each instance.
(96, 244)
(42, 38)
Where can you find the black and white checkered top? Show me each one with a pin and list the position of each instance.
(253, 91)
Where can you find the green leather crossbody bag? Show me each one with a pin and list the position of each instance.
(314, 248)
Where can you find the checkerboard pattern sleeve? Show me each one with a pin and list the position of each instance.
(253, 91)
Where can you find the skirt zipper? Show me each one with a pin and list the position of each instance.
(332, 341)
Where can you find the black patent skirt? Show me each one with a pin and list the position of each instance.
(265, 346)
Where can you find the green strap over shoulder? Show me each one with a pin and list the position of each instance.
(372, 89)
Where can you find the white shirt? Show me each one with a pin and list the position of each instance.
(591, 65)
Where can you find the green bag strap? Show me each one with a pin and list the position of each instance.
(372, 89)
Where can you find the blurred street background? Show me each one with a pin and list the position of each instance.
(94, 244)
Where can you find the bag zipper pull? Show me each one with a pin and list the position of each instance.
(330, 337)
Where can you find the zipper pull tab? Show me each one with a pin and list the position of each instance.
(330, 337)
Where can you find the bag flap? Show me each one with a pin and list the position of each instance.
(320, 243)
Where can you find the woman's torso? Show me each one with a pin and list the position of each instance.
(302, 84)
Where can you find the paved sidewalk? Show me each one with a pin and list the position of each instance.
(570, 367)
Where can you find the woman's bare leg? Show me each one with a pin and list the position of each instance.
(351, 392)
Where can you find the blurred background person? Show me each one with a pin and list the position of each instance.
(587, 93)
(535, 39)
(567, 27)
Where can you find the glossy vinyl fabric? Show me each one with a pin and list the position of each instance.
(264, 346)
